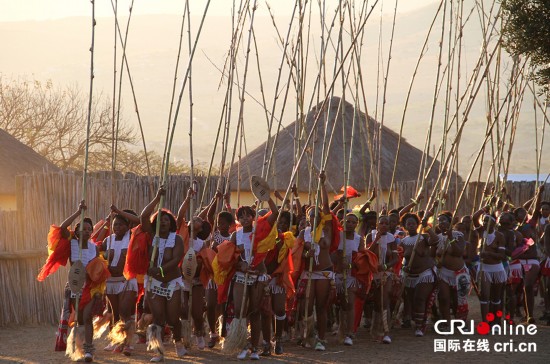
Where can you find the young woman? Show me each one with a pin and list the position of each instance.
(493, 275)
(318, 241)
(454, 276)
(277, 265)
(512, 239)
(70, 245)
(353, 244)
(419, 271)
(121, 293)
(223, 222)
(163, 283)
(251, 271)
(382, 243)
(194, 235)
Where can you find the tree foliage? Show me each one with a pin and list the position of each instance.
(53, 121)
(527, 32)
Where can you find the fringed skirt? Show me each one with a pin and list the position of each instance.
(493, 273)
(412, 280)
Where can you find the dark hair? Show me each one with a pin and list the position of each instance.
(507, 215)
(459, 225)
(227, 217)
(409, 215)
(547, 203)
(286, 215)
(394, 211)
(333, 204)
(130, 211)
(122, 218)
(77, 227)
(448, 215)
(370, 214)
(205, 231)
(173, 226)
(248, 210)
(517, 211)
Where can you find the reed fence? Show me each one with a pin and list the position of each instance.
(519, 192)
(45, 199)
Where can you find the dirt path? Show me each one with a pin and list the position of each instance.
(35, 345)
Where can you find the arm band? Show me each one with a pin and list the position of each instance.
(161, 271)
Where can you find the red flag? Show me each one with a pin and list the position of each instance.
(137, 257)
(59, 250)
(350, 193)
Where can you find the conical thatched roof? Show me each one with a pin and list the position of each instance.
(281, 167)
(16, 159)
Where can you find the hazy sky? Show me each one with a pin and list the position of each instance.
(49, 40)
(16, 10)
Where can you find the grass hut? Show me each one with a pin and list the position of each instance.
(17, 159)
(361, 178)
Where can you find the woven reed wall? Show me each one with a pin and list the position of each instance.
(45, 199)
(473, 194)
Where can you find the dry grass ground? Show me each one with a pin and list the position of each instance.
(35, 345)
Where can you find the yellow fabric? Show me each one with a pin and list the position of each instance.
(54, 235)
(288, 243)
(219, 274)
(267, 243)
(140, 278)
(98, 289)
(321, 225)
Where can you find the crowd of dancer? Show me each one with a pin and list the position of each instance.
(252, 278)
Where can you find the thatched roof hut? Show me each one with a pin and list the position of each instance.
(16, 159)
(282, 166)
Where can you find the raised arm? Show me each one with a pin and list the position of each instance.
(209, 212)
(285, 203)
(128, 216)
(274, 211)
(183, 207)
(476, 216)
(227, 201)
(298, 206)
(409, 207)
(433, 238)
(340, 205)
(538, 200)
(69, 220)
(369, 201)
(324, 193)
(145, 217)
